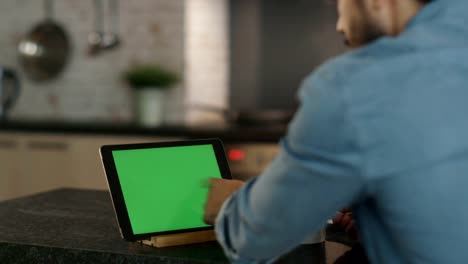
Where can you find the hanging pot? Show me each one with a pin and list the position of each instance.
(45, 50)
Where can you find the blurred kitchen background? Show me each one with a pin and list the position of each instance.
(239, 64)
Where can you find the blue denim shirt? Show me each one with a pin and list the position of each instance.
(383, 129)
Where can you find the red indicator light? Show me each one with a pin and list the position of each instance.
(236, 155)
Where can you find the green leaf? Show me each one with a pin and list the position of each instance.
(150, 76)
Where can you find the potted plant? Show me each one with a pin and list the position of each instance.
(150, 83)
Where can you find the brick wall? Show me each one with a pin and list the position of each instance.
(91, 89)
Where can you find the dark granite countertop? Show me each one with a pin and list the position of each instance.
(78, 226)
(232, 133)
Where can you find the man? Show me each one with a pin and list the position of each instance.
(383, 130)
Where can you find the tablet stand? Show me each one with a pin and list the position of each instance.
(180, 239)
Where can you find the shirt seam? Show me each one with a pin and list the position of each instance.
(359, 140)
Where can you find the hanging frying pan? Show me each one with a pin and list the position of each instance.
(45, 50)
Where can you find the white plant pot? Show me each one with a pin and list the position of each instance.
(150, 106)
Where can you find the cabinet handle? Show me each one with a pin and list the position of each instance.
(8, 144)
(49, 146)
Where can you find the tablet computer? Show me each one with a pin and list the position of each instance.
(160, 188)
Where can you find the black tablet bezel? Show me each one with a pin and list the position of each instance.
(116, 190)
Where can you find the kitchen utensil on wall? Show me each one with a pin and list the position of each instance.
(45, 50)
(96, 37)
(100, 40)
(111, 39)
(9, 90)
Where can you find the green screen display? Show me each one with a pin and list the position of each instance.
(164, 188)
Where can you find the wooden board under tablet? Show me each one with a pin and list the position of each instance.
(180, 239)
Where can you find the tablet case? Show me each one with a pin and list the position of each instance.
(189, 237)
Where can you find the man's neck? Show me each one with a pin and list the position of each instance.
(405, 11)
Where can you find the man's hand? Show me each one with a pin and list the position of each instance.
(344, 220)
(220, 190)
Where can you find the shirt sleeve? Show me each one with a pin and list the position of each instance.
(317, 172)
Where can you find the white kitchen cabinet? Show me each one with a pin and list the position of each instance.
(10, 166)
(45, 162)
(32, 163)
